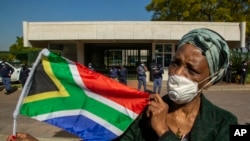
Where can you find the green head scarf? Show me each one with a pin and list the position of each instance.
(213, 46)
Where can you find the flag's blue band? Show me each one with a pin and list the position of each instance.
(84, 128)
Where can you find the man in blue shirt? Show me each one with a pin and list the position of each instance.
(123, 75)
(141, 71)
(91, 67)
(24, 73)
(6, 72)
(113, 72)
(158, 78)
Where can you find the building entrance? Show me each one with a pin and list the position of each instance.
(104, 56)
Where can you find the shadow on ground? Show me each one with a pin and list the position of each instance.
(65, 134)
(149, 91)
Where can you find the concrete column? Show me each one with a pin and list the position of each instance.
(80, 52)
(243, 34)
(148, 75)
(153, 51)
(26, 43)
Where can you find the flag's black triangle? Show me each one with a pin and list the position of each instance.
(41, 82)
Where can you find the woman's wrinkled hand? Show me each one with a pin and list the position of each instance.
(157, 112)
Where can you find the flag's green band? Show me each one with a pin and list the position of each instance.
(60, 71)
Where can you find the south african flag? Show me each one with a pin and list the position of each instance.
(88, 104)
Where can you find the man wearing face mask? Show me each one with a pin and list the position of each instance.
(91, 67)
(141, 71)
(185, 113)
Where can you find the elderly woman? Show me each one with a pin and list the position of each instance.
(184, 113)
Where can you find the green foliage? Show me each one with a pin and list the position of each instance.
(26, 55)
(6, 56)
(201, 10)
(237, 57)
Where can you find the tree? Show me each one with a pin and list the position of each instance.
(205, 10)
(6, 56)
(201, 10)
(23, 53)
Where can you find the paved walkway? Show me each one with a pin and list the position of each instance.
(233, 97)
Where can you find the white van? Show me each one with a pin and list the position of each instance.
(15, 75)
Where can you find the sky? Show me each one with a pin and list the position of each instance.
(14, 12)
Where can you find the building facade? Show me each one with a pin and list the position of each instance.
(125, 43)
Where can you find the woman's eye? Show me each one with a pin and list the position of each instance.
(192, 71)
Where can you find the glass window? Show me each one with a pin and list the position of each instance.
(167, 59)
(167, 48)
(114, 57)
(163, 54)
(159, 58)
(159, 48)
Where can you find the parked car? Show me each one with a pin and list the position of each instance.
(15, 75)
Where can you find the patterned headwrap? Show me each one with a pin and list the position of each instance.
(213, 46)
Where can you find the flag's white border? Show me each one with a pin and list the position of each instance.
(78, 112)
(26, 88)
(99, 98)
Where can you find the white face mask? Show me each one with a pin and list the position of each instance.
(182, 90)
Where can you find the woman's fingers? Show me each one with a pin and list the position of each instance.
(155, 98)
(156, 105)
(21, 137)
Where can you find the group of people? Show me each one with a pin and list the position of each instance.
(184, 113)
(119, 74)
(157, 72)
(115, 73)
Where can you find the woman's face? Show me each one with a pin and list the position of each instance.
(189, 62)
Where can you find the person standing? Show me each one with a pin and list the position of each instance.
(153, 67)
(91, 67)
(243, 73)
(113, 72)
(24, 73)
(229, 72)
(123, 75)
(1, 87)
(158, 79)
(141, 71)
(6, 72)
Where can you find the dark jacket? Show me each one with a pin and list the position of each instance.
(211, 124)
(158, 72)
(244, 69)
(6, 71)
(123, 72)
(24, 73)
(113, 72)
